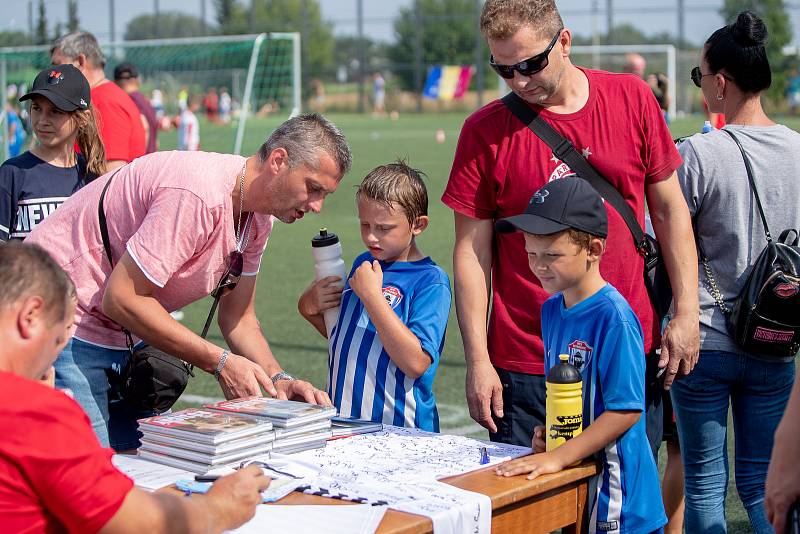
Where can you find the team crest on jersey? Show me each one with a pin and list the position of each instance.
(392, 295)
(579, 353)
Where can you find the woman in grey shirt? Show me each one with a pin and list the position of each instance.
(733, 73)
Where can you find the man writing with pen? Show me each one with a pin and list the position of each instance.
(54, 475)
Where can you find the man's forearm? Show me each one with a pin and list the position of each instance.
(673, 226)
(246, 338)
(472, 301)
(148, 320)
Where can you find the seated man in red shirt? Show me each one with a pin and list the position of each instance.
(54, 476)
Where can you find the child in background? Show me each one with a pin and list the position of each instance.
(35, 183)
(188, 127)
(565, 226)
(385, 347)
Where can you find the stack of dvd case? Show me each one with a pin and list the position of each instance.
(199, 440)
(299, 426)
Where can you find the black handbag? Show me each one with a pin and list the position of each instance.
(765, 317)
(151, 380)
(656, 278)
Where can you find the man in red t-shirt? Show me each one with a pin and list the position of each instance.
(117, 116)
(54, 475)
(617, 124)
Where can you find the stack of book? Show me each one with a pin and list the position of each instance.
(344, 427)
(199, 440)
(299, 426)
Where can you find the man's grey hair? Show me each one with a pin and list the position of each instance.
(76, 43)
(303, 137)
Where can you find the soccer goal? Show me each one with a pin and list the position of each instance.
(261, 73)
(659, 58)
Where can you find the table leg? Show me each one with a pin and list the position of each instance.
(581, 525)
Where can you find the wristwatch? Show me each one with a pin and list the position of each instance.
(283, 375)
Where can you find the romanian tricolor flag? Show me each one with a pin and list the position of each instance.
(447, 82)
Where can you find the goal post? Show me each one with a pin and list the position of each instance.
(260, 72)
(659, 57)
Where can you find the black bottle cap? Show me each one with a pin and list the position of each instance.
(324, 239)
(564, 372)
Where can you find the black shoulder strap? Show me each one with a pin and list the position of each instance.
(564, 150)
(101, 213)
(752, 181)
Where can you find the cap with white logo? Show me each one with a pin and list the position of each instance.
(569, 202)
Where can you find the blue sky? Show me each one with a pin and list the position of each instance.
(650, 16)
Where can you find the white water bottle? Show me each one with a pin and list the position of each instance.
(327, 251)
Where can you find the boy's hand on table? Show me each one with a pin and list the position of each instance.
(542, 463)
(538, 443)
(367, 281)
(321, 295)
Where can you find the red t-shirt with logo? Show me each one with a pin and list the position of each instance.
(500, 163)
(54, 475)
(119, 123)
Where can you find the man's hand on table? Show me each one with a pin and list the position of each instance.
(235, 497)
(241, 377)
(300, 390)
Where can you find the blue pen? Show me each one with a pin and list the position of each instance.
(484, 456)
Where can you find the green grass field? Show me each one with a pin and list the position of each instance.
(287, 267)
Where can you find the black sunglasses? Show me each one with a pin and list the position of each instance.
(697, 76)
(528, 67)
(231, 276)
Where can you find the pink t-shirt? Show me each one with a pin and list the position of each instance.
(172, 212)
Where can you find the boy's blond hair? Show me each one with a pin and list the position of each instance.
(397, 184)
(500, 19)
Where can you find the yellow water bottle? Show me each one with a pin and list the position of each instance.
(564, 417)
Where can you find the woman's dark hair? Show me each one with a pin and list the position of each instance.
(738, 49)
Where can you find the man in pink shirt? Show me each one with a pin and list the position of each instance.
(174, 221)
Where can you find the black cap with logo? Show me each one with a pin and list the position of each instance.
(569, 202)
(125, 71)
(63, 85)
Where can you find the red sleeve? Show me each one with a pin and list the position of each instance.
(471, 188)
(65, 464)
(662, 156)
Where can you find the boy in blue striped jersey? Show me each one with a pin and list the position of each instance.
(385, 348)
(565, 226)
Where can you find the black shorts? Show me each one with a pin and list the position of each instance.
(523, 407)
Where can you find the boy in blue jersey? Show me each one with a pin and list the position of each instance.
(565, 226)
(384, 350)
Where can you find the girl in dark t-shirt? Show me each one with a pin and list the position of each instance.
(35, 183)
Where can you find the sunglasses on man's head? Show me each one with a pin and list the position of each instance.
(528, 67)
(231, 276)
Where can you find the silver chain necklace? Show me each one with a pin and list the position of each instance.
(237, 233)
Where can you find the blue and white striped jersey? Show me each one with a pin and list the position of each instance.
(604, 341)
(362, 380)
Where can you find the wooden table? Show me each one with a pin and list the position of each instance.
(518, 505)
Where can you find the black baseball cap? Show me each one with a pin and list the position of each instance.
(125, 71)
(569, 202)
(63, 85)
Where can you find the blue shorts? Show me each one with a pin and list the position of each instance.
(91, 373)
